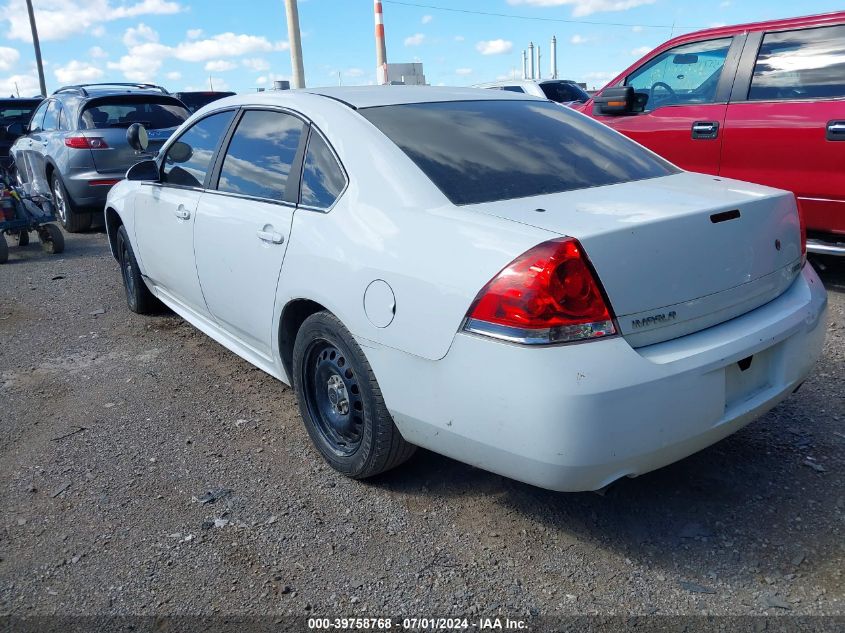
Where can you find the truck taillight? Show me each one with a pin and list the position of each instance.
(549, 294)
(80, 141)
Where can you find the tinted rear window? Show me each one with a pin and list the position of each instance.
(481, 151)
(154, 113)
(17, 112)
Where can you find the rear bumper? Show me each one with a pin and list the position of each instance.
(822, 247)
(83, 193)
(578, 417)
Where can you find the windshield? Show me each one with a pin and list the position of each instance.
(481, 151)
(154, 113)
(564, 92)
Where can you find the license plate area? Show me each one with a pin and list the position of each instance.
(748, 377)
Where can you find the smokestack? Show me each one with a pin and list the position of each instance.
(381, 48)
(554, 57)
(539, 67)
(531, 60)
(524, 64)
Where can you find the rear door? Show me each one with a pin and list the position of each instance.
(165, 211)
(41, 140)
(22, 154)
(244, 221)
(785, 125)
(686, 90)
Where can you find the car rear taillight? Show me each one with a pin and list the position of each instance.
(80, 141)
(549, 294)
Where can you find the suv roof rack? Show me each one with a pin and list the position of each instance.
(82, 88)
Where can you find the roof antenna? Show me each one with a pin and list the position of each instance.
(210, 85)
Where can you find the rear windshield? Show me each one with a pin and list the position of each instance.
(17, 111)
(154, 113)
(481, 151)
(563, 92)
(196, 100)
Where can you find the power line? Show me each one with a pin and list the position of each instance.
(536, 17)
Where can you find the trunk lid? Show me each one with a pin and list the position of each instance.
(675, 254)
(119, 156)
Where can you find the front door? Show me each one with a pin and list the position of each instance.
(686, 92)
(165, 211)
(244, 222)
(785, 126)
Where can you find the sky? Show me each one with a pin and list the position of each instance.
(242, 45)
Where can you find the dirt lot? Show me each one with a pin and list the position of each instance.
(113, 427)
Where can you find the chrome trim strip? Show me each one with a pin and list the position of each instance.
(545, 336)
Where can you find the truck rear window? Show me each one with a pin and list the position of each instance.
(482, 151)
(154, 113)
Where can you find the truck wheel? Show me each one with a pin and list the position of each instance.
(138, 297)
(341, 403)
(22, 238)
(52, 239)
(71, 219)
(4, 250)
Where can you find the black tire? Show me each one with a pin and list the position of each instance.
(4, 249)
(138, 297)
(352, 429)
(66, 210)
(52, 239)
(22, 238)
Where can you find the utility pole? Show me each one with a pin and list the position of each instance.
(295, 44)
(381, 47)
(37, 46)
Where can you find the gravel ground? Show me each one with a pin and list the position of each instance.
(113, 427)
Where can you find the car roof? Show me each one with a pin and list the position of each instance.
(13, 100)
(372, 96)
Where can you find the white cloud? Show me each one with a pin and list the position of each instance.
(725, 4)
(95, 52)
(354, 72)
(578, 39)
(427, 18)
(218, 83)
(75, 72)
(27, 85)
(139, 35)
(415, 40)
(220, 66)
(587, 7)
(8, 58)
(194, 34)
(60, 19)
(174, 75)
(463, 72)
(637, 29)
(640, 51)
(494, 47)
(257, 64)
(459, 38)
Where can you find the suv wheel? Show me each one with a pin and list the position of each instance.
(71, 219)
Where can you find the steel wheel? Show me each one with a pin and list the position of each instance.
(333, 397)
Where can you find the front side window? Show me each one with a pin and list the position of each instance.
(806, 64)
(687, 74)
(38, 117)
(189, 158)
(261, 154)
(482, 151)
(322, 178)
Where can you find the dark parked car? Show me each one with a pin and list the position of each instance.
(75, 145)
(14, 115)
(196, 100)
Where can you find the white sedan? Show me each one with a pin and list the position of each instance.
(480, 273)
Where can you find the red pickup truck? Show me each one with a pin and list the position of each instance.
(760, 102)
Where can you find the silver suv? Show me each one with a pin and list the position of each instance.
(75, 145)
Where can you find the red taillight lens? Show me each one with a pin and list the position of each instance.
(547, 295)
(79, 141)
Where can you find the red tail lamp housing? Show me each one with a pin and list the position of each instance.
(80, 141)
(549, 294)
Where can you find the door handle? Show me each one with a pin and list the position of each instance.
(836, 131)
(182, 213)
(267, 234)
(705, 129)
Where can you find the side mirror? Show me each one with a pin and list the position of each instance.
(615, 101)
(146, 170)
(179, 152)
(136, 136)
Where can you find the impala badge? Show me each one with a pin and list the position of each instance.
(655, 319)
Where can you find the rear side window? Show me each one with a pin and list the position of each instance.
(513, 89)
(121, 112)
(806, 64)
(51, 119)
(188, 159)
(261, 154)
(481, 151)
(683, 75)
(322, 178)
